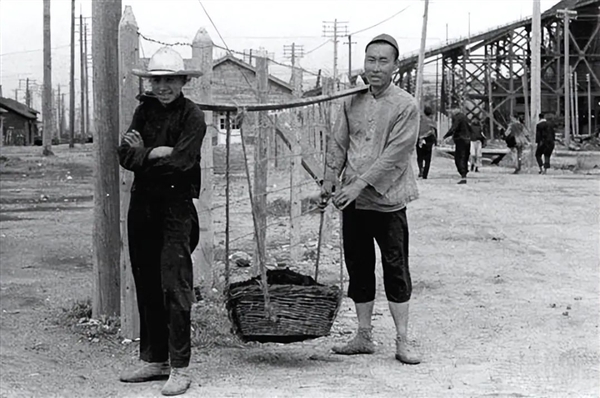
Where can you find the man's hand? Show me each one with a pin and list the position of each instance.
(133, 139)
(348, 194)
(327, 188)
(160, 152)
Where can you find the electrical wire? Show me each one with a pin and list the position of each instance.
(385, 20)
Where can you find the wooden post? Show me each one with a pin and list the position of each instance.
(296, 172)
(105, 44)
(328, 89)
(86, 81)
(128, 59)
(490, 96)
(536, 82)
(576, 104)
(590, 128)
(567, 78)
(261, 146)
(420, 62)
(203, 256)
(72, 78)
(47, 113)
(83, 63)
(511, 84)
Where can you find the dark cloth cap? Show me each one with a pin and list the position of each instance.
(384, 38)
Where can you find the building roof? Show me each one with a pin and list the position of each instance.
(247, 66)
(17, 107)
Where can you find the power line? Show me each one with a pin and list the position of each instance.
(316, 48)
(33, 51)
(385, 20)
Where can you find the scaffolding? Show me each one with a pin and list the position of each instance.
(487, 75)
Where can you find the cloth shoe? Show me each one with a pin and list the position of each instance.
(148, 371)
(405, 354)
(362, 343)
(462, 181)
(178, 383)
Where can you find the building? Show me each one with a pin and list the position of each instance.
(234, 82)
(19, 123)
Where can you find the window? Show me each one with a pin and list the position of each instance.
(223, 121)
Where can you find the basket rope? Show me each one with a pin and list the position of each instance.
(261, 260)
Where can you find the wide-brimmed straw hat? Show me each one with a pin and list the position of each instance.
(166, 62)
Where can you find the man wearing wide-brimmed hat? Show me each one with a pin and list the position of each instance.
(162, 147)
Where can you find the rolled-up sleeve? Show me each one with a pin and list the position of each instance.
(396, 155)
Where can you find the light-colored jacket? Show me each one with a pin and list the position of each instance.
(374, 139)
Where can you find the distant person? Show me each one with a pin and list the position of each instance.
(162, 148)
(477, 143)
(516, 139)
(427, 139)
(544, 138)
(460, 131)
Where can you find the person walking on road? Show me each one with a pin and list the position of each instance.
(544, 138)
(477, 144)
(460, 131)
(427, 139)
(516, 139)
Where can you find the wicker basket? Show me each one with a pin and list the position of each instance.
(301, 309)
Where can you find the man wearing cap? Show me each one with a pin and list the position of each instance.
(371, 152)
(162, 147)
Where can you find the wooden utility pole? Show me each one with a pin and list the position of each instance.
(420, 62)
(128, 59)
(536, 64)
(334, 29)
(72, 80)
(590, 128)
(48, 100)
(202, 59)
(82, 66)
(86, 82)
(350, 43)
(567, 14)
(105, 45)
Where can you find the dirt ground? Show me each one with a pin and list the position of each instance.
(506, 304)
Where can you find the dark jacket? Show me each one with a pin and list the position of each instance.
(544, 132)
(179, 125)
(460, 129)
(477, 133)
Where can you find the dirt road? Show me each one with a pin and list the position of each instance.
(505, 300)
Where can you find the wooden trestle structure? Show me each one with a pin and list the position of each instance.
(487, 75)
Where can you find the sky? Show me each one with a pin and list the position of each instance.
(248, 24)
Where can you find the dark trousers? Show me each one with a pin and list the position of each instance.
(424, 159)
(163, 232)
(545, 149)
(390, 230)
(462, 152)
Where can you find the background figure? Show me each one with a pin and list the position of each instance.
(544, 138)
(427, 139)
(477, 143)
(516, 139)
(461, 134)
